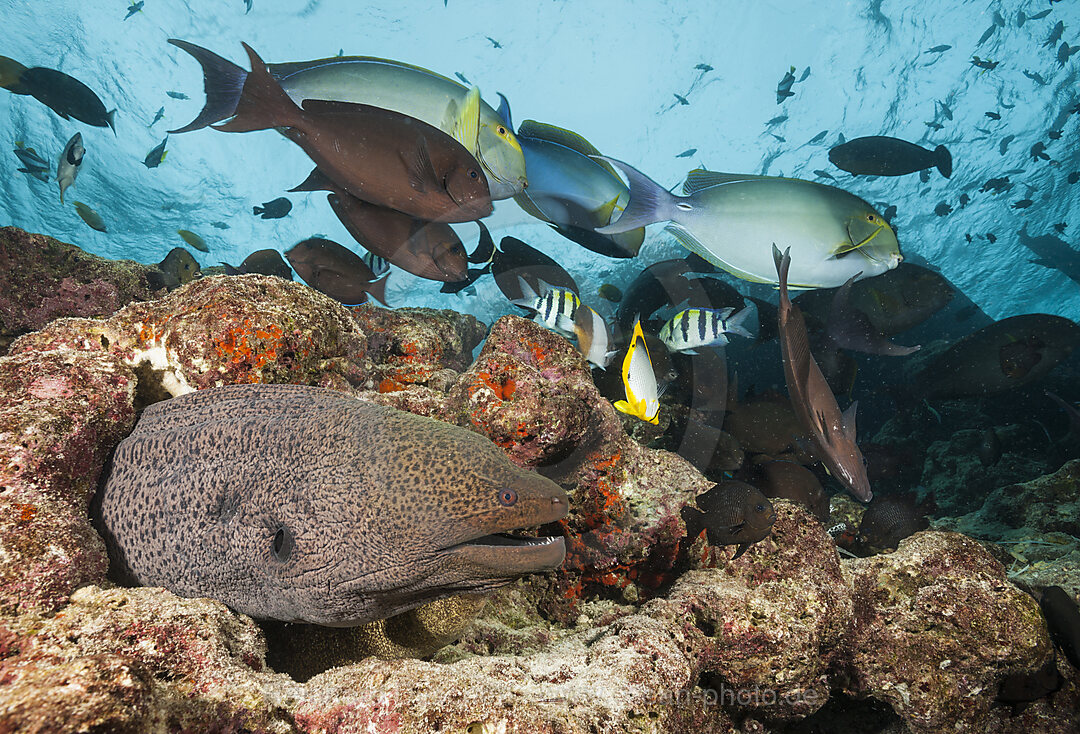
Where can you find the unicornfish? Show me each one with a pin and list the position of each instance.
(303, 504)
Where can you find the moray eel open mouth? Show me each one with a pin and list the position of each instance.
(512, 555)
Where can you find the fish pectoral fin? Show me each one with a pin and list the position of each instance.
(466, 128)
(740, 550)
(604, 211)
(419, 167)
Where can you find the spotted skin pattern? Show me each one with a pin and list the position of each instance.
(298, 503)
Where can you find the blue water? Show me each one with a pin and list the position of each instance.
(608, 70)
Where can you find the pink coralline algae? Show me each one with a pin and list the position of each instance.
(42, 279)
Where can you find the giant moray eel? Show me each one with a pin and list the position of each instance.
(302, 504)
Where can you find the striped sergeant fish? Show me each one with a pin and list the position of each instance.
(378, 265)
(556, 308)
(702, 327)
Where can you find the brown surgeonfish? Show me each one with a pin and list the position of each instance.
(429, 250)
(265, 262)
(1006, 354)
(381, 156)
(1063, 621)
(336, 271)
(310, 505)
(731, 513)
(832, 432)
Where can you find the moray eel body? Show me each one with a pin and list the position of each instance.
(301, 504)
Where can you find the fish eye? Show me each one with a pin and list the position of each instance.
(283, 544)
(507, 497)
(473, 174)
(501, 130)
(871, 218)
(759, 508)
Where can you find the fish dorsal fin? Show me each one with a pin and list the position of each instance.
(466, 128)
(699, 179)
(565, 138)
(420, 168)
(849, 420)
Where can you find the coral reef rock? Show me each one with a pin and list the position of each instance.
(42, 279)
(642, 630)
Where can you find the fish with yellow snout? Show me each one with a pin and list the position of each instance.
(312, 506)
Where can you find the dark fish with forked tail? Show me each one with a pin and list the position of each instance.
(731, 513)
(310, 505)
(832, 432)
(336, 271)
(383, 157)
(275, 209)
(879, 155)
(429, 250)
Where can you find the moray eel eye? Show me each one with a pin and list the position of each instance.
(507, 497)
(283, 544)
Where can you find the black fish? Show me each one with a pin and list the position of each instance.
(1035, 77)
(514, 258)
(1004, 146)
(178, 267)
(1022, 688)
(65, 95)
(482, 255)
(494, 43)
(275, 209)
(265, 262)
(156, 155)
(1073, 177)
(997, 184)
(986, 64)
(1038, 151)
(878, 155)
(682, 100)
(1063, 621)
(943, 209)
(731, 513)
(964, 200)
(1023, 204)
(891, 518)
(989, 447)
(818, 138)
(790, 481)
(687, 153)
(177, 95)
(993, 115)
(783, 89)
(938, 49)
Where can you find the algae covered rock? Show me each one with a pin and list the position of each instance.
(937, 625)
(42, 279)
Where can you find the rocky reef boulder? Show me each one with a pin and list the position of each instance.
(42, 279)
(937, 625)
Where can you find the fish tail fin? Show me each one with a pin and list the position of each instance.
(943, 159)
(316, 181)
(263, 103)
(229, 269)
(110, 118)
(377, 289)
(783, 264)
(649, 202)
(734, 325)
(223, 82)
